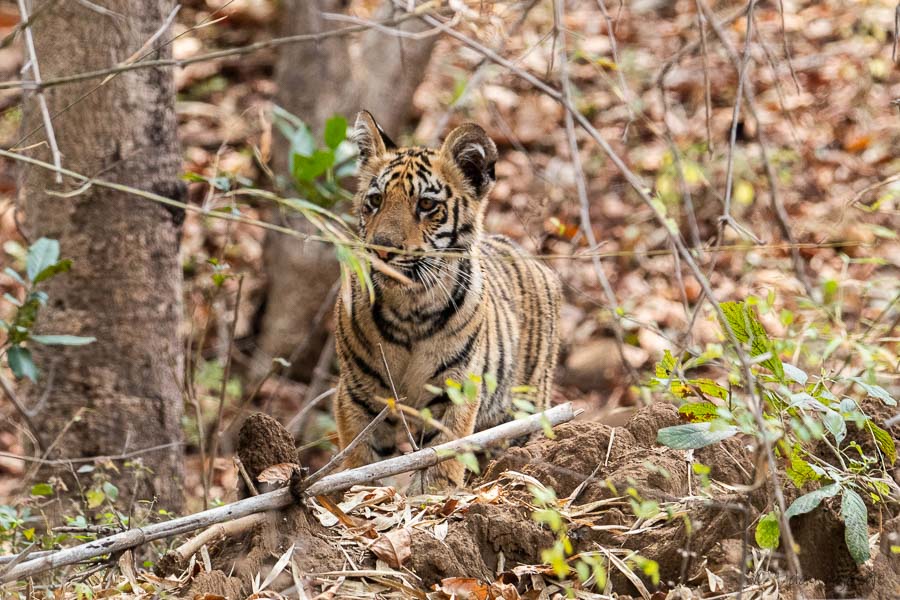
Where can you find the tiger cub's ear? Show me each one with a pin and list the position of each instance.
(369, 137)
(474, 154)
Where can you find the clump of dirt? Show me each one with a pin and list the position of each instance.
(586, 463)
(263, 442)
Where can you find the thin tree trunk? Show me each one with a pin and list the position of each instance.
(122, 392)
(316, 81)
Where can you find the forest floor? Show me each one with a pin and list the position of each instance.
(831, 133)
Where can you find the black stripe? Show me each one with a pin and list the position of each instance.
(361, 402)
(501, 355)
(455, 237)
(427, 438)
(461, 356)
(363, 366)
(386, 329)
(442, 316)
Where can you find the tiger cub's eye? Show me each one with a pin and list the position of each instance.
(374, 201)
(426, 204)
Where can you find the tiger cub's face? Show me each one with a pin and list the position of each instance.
(416, 203)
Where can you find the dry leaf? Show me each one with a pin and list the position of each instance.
(440, 530)
(280, 473)
(208, 597)
(393, 547)
(490, 495)
(464, 588)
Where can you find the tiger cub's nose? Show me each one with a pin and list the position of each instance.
(383, 253)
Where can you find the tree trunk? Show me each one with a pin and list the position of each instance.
(316, 81)
(123, 392)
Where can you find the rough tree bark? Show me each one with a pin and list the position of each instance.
(125, 284)
(316, 81)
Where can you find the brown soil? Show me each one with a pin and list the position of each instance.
(628, 457)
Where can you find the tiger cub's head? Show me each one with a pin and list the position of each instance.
(421, 201)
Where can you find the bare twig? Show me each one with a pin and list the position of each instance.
(384, 361)
(338, 458)
(42, 100)
(23, 412)
(581, 186)
(296, 424)
(239, 51)
(88, 459)
(248, 481)
(215, 431)
(735, 119)
(283, 497)
(771, 177)
(219, 531)
(627, 96)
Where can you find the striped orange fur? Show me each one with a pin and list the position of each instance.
(477, 304)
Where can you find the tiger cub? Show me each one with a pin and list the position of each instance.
(474, 305)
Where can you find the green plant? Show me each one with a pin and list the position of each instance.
(317, 169)
(806, 418)
(42, 262)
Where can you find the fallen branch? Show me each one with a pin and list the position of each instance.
(176, 560)
(281, 498)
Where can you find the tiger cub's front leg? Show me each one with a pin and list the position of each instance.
(352, 414)
(458, 420)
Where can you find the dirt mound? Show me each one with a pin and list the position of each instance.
(601, 475)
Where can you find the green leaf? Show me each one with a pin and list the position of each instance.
(693, 435)
(666, 366)
(42, 489)
(41, 254)
(469, 460)
(12, 273)
(308, 168)
(111, 491)
(699, 412)
(808, 502)
(490, 382)
(94, 498)
(768, 533)
(62, 340)
(856, 526)
(335, 131)
(20, 363)
(795, 374)
(875, 391)
(747, 327)
(835, 423)
(62, 266)
(799, 471)
(455, 396)
(884, 441)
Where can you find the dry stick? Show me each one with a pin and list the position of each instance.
(707, 86)
(241, 50)
(217, 433)
(358, 244)
(297, 423)
(635, 182)
(581, 186)
(281, 498)
(726, 218)
(88, 459)
(338, 458)
(777, 205)
(387, 369)
(42, 100)
(627, 96)
(26, 416)
(185, 551)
